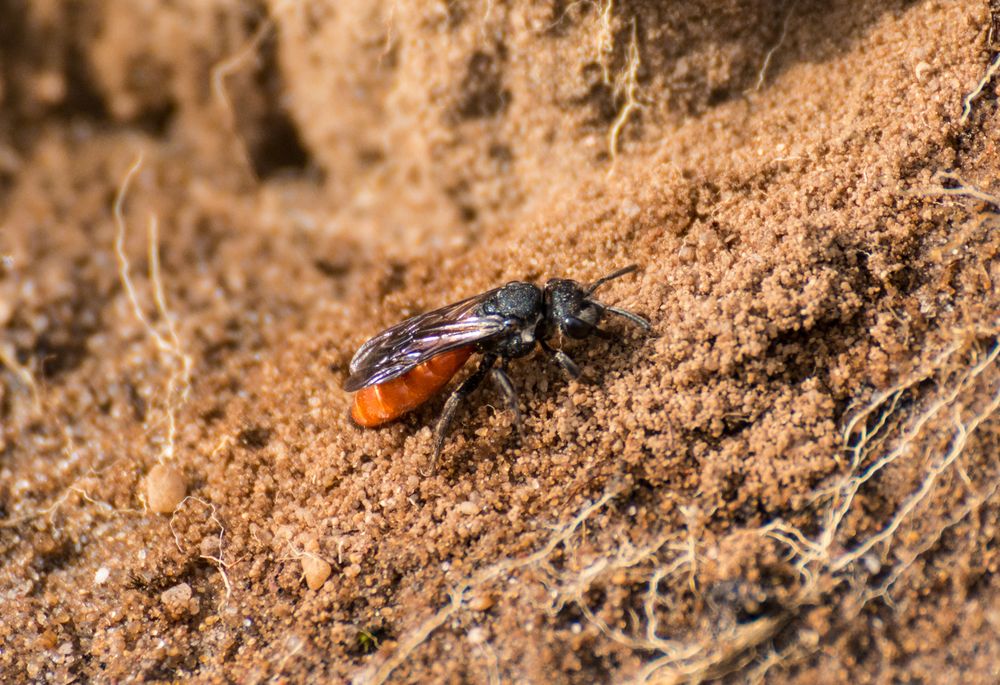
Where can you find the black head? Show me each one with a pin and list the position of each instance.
(570, 310)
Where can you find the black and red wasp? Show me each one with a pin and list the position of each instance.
(402, 367)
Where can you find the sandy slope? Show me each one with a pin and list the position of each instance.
(794, 477)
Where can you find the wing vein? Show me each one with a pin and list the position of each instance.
(398, 349)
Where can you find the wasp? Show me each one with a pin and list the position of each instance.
(402, 367)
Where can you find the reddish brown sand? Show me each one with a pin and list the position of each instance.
(795, 477)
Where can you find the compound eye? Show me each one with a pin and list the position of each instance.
(576, 328)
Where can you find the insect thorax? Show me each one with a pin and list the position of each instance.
(520, 302)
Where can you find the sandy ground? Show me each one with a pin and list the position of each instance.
(206, 206)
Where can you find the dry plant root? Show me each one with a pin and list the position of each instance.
(762, 74)
(168, 344)
(968, 397)
(626, 85)
(217, 558)
(462, 593)
(991, 71)
(164, 488)
(22, 374)
(604, 39)
(885, 433)
(959, 188)
(231, 65)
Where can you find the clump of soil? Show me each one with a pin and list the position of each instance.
(206, 207)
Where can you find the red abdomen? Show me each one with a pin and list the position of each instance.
(378, 404)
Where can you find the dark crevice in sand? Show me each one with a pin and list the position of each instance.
(275, 145)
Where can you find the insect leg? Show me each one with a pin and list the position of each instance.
(563, 360)
(451, 406)
(506, 387)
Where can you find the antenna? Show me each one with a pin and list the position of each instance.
(610, 277)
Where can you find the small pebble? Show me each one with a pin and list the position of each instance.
(176, 598)
(165, 488)
(481, 602)
(316, 571)
(467, 509)
(101, 575)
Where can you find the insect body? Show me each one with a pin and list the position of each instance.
(403, 366)
(378, 404)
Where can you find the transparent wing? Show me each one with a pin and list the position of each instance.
(396, 350)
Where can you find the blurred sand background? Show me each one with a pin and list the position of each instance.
(793, 480)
